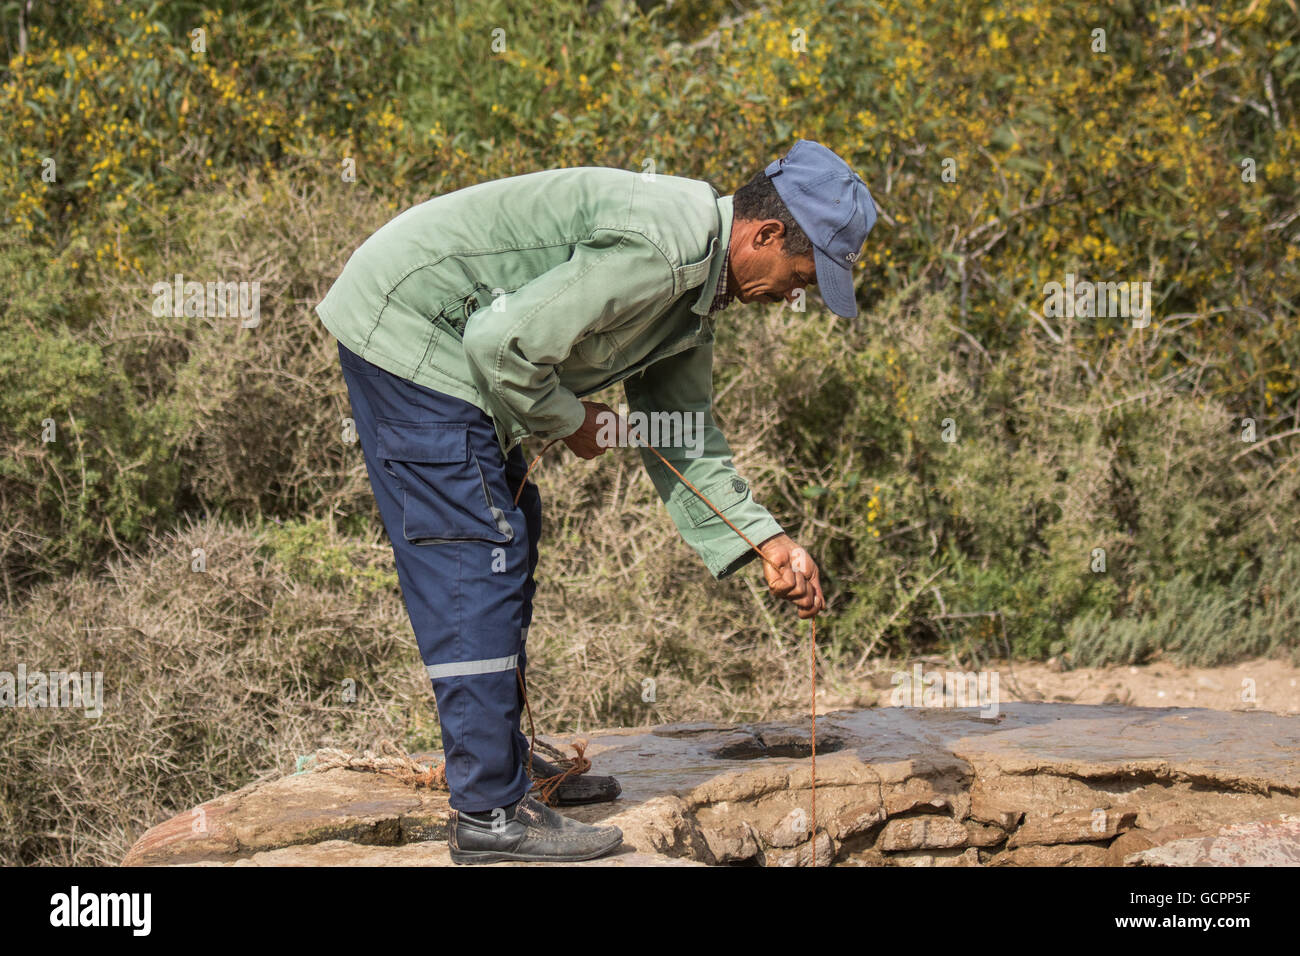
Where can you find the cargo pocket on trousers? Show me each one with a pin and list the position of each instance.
(445, 494)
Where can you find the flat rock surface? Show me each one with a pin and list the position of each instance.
(1036, 784)
(433, 853)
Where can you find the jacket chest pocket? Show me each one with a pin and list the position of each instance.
(456, 313)
(600, 350)
(445, 495)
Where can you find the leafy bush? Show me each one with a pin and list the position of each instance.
(988, 500)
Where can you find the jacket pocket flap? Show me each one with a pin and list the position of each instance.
(724, 493)
(426, 442)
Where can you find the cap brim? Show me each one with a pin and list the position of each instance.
(835, 282)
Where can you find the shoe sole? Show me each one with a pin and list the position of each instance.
(584, 801)
(501, 856)
(570, 799)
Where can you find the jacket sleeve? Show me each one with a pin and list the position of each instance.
(513, 347)
(684, 383)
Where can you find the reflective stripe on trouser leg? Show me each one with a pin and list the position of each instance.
(466, 668)
(464, 597)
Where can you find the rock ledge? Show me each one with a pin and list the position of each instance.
(1040, 785)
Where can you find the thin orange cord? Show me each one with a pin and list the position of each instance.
(812, 644)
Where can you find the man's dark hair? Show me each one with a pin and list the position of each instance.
(758, 199)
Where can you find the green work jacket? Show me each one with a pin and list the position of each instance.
(521, 295)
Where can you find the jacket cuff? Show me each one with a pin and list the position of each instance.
(570, 422)
(727, 558)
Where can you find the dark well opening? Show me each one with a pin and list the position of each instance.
(776, 743)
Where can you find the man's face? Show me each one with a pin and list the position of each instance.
(758, 269)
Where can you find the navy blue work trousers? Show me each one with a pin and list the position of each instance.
(465, 557)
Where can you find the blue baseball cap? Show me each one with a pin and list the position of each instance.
(832, 205)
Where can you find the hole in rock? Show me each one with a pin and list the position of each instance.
(756, 746)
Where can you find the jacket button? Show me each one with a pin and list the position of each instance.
(738, 484)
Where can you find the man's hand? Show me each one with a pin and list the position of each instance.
(583, 442)
(795, 576)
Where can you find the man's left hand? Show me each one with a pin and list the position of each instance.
(792, 574)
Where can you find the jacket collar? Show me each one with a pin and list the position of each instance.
(722, 242)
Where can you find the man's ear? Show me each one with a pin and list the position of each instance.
(772, 230)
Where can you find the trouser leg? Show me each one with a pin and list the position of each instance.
(462, 551)
(530, 503)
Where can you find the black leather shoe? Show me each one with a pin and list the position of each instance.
(528, 831)
(584, 788)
